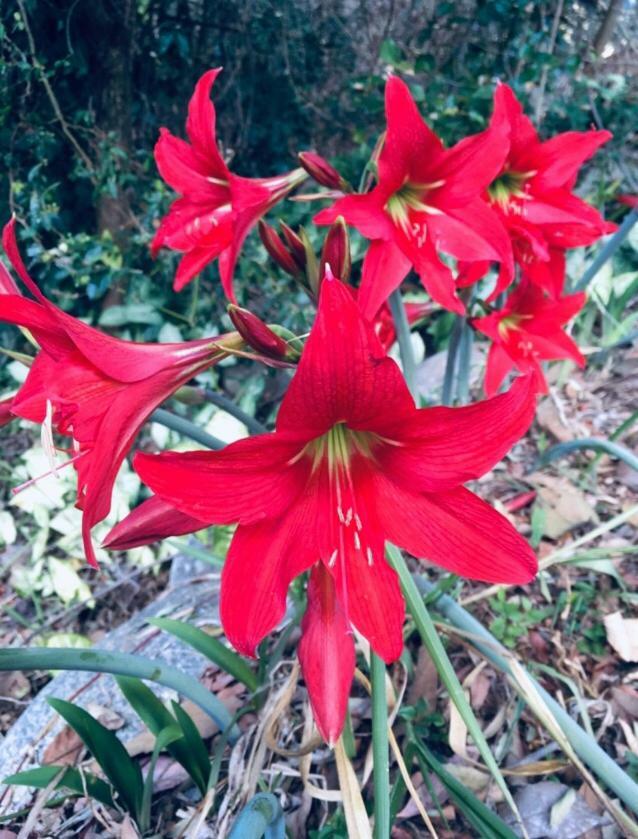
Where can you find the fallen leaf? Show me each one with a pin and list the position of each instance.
(106, 716)
(14, 684)
(564, 505)
(549, 419)
(624, 700)
(622, 634)
(65, 748)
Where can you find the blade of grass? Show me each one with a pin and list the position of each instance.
(435, 647)
(76, 780)
(118, 664)
(353, 807)
(210, 647)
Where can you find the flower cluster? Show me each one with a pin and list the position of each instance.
(353, 462)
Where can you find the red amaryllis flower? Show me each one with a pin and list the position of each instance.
(97, 389)
(427, 198)
(526, 331)
(153, 520)
(352, 463)
(5, 411)
(217, 209)
(532, 193)
(384, 322)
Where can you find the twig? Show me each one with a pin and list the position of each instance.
(52, 97)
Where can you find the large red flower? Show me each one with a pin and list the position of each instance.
(427, 198)
(97, 389)
(217, 209)
(352, 463)
(532, 192)
(528, 330)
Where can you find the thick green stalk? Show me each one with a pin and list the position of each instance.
(402, 328)
(450, 363)
(226, 404)
(608, 250)
(187, 428)
(597, 444)
(380, 747)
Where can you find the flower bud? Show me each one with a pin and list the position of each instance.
(322, 171)
(278, 252)
(336, 250)
(295, 244)
(256, 334)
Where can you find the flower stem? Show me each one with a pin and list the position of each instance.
(226, 404)
(188, 429)
(608, 250)
(380, 749)
(450, 364)
(402, 328)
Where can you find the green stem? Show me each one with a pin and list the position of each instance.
(465, 364)
(380, 746)
(624, 426)
(608, 250)
(118, 664)
(402, 328)
(450, 364)
(187, 428)
(226, 404)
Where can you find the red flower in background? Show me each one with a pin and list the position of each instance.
(5, 411)
(427, 198)
(533, 195)
(384, 326)
(97, 389)
(352, 463)
(217, 209)
(526, 331)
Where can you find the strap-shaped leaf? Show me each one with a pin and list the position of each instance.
(210, 647)
(82, 783)
(166, 736)
(116, 763)
(157, 717)
(194, 743)
(262, 816)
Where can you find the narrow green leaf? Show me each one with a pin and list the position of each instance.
(82, 783)
(121, 664)
(210, 647)
(434, 646)
(194, 743)
(157, 718)
(167, 735)
(121, 770)
(380, 748)
(487, 823)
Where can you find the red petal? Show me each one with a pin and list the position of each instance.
(559, 159)
(326, 653)
(200, 125)
(343, 375)
(152, 521)
(436, 277)
(457, 531)
(499, 365)
(385, 266)
(549, 275)
(444, 447)
(247, 481)
(365, 212)
(523, 136)
(262, 560)
(186, 171)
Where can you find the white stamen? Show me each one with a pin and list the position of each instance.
(348, 516)
(370, 556)
(357, 521)
(341, 516)
(46, 438)
(333, 558)
(357, 541)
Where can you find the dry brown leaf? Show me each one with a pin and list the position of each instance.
(14, 684)
(549, 419)
(622, 634)
(624, 700)
(426, 680)
(565, 506)
(106, 716)
(128, 829)
(65, 748)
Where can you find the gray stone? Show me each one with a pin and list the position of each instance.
(187, 599)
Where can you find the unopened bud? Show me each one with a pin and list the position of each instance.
(336, 250)
(295, 244)
(256, 333)
(322, 171)
(277, 250)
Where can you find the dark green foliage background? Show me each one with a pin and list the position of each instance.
(307, 74)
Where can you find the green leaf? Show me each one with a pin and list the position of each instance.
(121, 664)
(82, 783)
(210, 647)
(165, 738)
(434, 646)
(157, 718)
(121, 770)
(194, 743)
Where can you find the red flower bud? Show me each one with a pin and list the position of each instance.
(278, 252)
(256, 334)
(322, 171)
(336, 251)
(5, 411)
(295, 244)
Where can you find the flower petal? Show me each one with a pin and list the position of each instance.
(499, 364)
(559, 159)
(365, 212)
(326, 653)
(442, 448)
(247, 481)
(343, 375)
(187, 172)
(457, 531)
(152, 521)
(385, 266)
(200, 125)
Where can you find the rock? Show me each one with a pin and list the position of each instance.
(552, 811)
(187, 598)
